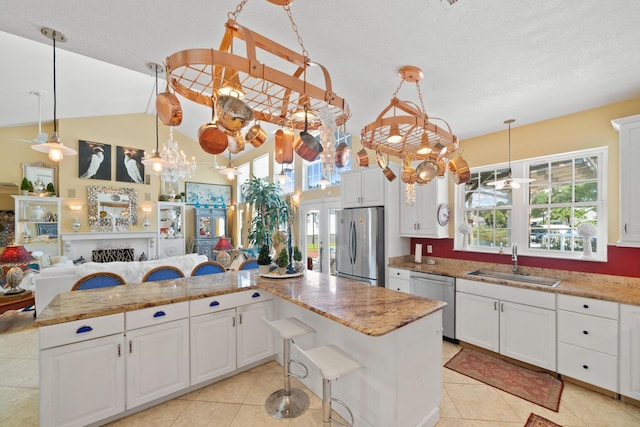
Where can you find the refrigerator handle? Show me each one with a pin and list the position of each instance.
(354, 241)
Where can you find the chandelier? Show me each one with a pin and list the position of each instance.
(177, 166)
(405, 130)
(283, 98)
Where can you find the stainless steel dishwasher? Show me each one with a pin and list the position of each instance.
(442, 288)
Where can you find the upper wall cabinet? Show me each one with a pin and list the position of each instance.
(362, 187)
(629, 129)
(419, 215)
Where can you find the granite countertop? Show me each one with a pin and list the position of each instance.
(625, 290)
(367, 309)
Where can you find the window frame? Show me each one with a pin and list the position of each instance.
(520, 207)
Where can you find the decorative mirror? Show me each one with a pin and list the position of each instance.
(107, 204)
(46, 173)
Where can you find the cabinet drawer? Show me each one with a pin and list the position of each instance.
(594, 333)
(594, 307)
(399, 273)
(589, 366)
(226, 301)
(157, 315)
(81, 330)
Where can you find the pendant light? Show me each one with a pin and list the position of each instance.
(230, 171)
(155, 162)
(282, 177)
(509, 181)
(53, 146)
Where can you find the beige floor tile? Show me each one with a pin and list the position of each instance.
(263, 386)
(595, 409)
(480, 423)
(18, 407)
(447, 407)
(162, 415)
(268, 368)
(256, 416)
(230, 390)
(480, 402)
(524, 408)
(449, 350)
(207, 414)
(451, 422)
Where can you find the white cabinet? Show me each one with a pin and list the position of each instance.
(157, 352)
(82, 370)
(36, 225)
(419, 217)
(629, 129)
(227, 332)
(500, 318)
(362, 187)
(630, 351)
(171, 227)
(588, 340)
(399, 280)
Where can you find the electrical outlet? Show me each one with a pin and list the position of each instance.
(429, 249)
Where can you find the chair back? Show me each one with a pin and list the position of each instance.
(98, 280)
(249, 264)
(208, 267)
(164, 272)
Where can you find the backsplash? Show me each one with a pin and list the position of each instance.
(622, 261)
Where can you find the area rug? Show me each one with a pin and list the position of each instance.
(540, 388)
(538, 421)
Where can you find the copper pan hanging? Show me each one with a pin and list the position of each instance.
(168, 106)
(459, 170)
(211, 138)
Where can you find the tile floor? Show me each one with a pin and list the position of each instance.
(238, 401)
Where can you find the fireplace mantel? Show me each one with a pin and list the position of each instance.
(76, 245)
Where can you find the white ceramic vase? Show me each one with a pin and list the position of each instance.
(587, 252)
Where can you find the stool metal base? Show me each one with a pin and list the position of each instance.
(281, 406)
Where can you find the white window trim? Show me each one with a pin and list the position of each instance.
(520, 206)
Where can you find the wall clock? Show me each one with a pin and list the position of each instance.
(443, 214)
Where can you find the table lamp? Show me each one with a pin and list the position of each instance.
(14, 258)
(223, 244)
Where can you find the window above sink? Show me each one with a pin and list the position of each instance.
(543, 216)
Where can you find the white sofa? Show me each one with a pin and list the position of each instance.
(61, 277)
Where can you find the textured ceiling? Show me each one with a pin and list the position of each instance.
(484, 60)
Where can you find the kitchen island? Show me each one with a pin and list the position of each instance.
(396, 336)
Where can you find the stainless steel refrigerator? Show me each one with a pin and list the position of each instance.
(360, 244)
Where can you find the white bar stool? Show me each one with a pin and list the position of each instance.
(287, 402)
(333, 363)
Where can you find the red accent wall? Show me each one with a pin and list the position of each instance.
(622, 261)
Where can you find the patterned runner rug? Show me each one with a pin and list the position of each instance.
(538, 421)
(540, 388)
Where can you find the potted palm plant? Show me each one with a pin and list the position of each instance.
(268, 207)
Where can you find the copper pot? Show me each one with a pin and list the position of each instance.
(343, 155)
(211, 138)
(235, 143)
(362, 158)
(460, 170)
(168, 107)
(256, 136)
(426, 171)
(306, 145)
(388, 173)
(409, 174)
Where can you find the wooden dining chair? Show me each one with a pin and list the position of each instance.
(98, 280)
(208, 267)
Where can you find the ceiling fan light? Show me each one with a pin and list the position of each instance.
(394, 134)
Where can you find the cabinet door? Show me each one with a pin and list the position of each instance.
(477, 320)
(629, 129)
(157, 361)
(528, 334)
(372, 187)
(409, 213)
(213, 345)
(82, 383)
(630, 351)
(350, 190)
(255, 338)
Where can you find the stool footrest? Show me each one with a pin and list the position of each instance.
(344, 405)
(298, 363)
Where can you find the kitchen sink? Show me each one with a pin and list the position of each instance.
(514, 277)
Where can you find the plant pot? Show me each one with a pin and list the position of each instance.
(282, 270)
(263, 269)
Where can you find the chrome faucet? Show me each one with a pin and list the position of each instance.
(514, 258)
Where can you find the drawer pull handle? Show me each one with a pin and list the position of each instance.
(159, 314)
(83, 329)
(255, 295)
(585, 366)
(585, 332)
(214, 303)
(585, 305)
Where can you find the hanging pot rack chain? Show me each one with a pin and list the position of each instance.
(273, 95)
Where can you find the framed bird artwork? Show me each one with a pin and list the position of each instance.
(129, 167)
(94, 160)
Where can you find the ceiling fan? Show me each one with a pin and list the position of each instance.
(42, 136)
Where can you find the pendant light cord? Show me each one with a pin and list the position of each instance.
(509, 147)
(157, 145)
(55, 120)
